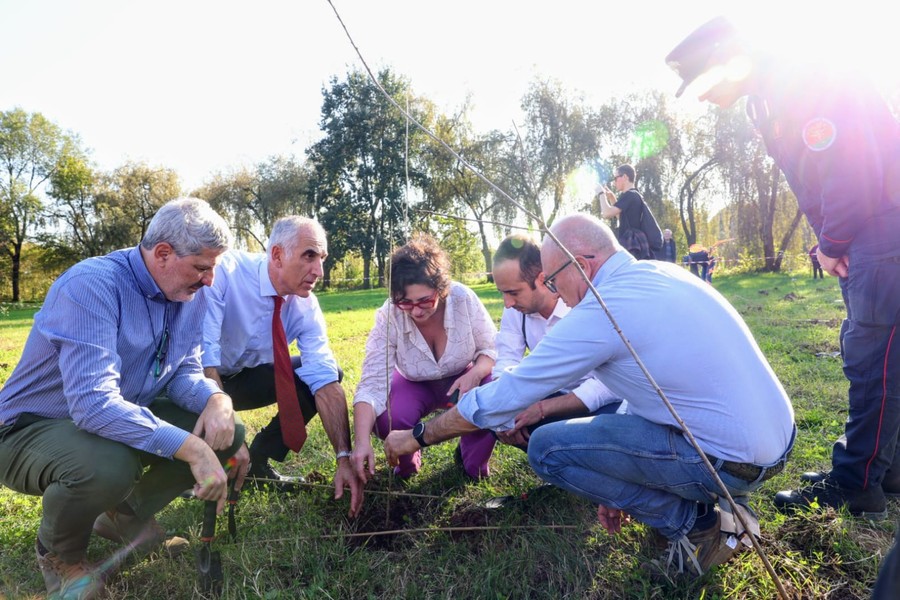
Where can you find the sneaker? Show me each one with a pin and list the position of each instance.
(891, 489)
(69, 581)
(142, 536)
(694, 554)
(868, 504)
(262, 475)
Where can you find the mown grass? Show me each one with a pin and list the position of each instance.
(431, 537)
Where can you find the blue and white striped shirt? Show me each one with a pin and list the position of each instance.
(91, 355)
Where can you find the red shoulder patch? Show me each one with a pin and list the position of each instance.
(819, 134)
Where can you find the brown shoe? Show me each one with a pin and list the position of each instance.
(69, 581)
(143, 536)
(694, 554)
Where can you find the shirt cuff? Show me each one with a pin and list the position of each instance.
(166, 440)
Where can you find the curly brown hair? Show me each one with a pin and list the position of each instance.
(420, 261)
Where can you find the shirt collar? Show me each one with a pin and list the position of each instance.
(145, 282)
(613, 264)
(560, 310)
(266, 287)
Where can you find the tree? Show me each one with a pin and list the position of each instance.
(30, 148)
(252, 200)
(85, 228)
(451, 183)
(673, 157)
(560, 135)
(755, 182)
(361, 166)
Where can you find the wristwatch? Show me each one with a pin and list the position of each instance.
(419, 433)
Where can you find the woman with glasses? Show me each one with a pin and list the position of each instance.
(433, 337)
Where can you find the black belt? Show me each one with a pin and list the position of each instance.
(748, 471)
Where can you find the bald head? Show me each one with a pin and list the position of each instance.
(589, 241)
(581, 234)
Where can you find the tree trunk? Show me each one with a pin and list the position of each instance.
(486, 252)
(768, 201)
(787, 239)
(326, 276)
(367, 272)
(16, 271)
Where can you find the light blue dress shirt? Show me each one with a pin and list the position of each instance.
(91, 355)
(692, 341)
(237, 330)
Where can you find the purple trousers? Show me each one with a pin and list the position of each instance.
(412, 400)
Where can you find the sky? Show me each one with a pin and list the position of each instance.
(203, 86)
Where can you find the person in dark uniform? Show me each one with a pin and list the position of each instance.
(835, 139)
(814, 259)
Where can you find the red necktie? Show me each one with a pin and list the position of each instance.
(293, 427)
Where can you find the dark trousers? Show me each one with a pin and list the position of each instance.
(80, 475)
(254, 388)
(868, 454)
(887, 587)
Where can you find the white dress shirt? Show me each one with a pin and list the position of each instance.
(511, 345)
(396, 343)
(237, 330)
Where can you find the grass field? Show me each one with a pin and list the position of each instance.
(431, 537)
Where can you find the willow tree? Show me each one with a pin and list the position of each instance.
(559, 136)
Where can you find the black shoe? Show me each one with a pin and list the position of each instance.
(869, 504)
(890, 489)
(262, 475)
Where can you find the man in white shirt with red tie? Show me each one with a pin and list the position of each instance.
(238, 350)
(530, 311)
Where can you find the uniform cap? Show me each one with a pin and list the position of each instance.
(702, 49)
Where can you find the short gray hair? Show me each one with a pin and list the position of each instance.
(287, 229)
(190, 226)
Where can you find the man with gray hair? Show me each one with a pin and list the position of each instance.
(640, 464)
(109, 390)
(257, 305)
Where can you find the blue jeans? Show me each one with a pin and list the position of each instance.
(624, 461)
(867, 454)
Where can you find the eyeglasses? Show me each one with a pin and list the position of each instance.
(161, 350)
(548, 280)
(423, 304)
(617, 176)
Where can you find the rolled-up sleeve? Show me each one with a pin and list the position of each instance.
(567, 353)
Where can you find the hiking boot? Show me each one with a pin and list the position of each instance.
(68, 581)
(262, 475)
(868, 504)
(891, 489)
(694, 554)
(141, 536)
